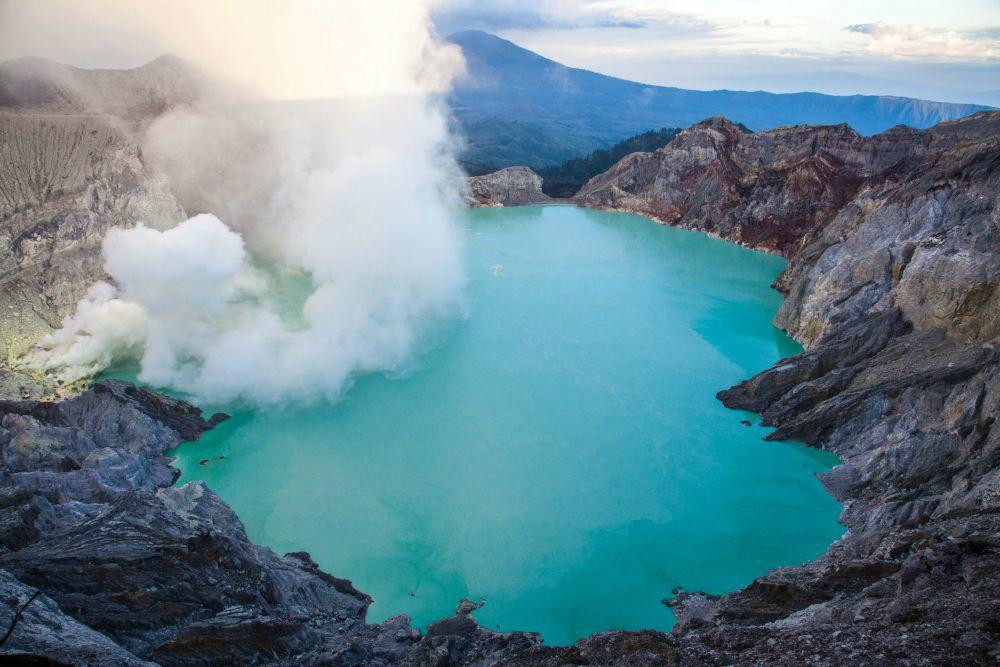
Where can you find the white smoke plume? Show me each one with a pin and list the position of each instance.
(334, 161)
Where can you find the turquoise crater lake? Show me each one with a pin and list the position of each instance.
(560, 452)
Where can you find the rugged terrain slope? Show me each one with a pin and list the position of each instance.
(891, 286)
(66, 179)
(513, 186)
(768, 189)
(72, 167)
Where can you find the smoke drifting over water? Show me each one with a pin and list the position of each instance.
(333, 160)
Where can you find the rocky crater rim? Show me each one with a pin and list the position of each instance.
(891, 286)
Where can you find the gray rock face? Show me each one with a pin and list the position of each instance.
(134, 569)
(768, 190)
(513, 186)
(19, 385)
(66, 180)
(43, 632)
(927, 245)
(72, 169)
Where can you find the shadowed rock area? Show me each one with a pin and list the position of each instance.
(891, 286)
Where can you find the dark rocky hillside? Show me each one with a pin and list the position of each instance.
(72, 167)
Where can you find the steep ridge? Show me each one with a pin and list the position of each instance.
(73, 168)
(66, 180)
(518, 107)
(767, 190)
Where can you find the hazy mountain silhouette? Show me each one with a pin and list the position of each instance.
(517, 107)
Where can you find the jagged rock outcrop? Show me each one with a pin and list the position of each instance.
(66, 180)
(42, 634)
(513, 186)
(769, 189)
(926, 243)
(73, 168)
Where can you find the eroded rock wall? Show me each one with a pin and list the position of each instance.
(514, 186)
(66, 180)
(769, 189)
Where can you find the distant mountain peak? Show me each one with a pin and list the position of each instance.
(480, 35)
(485, 45)
(517, 107)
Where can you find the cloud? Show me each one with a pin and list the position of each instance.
(927, 42)
(500, 15)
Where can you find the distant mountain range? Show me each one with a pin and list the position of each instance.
(516, 107)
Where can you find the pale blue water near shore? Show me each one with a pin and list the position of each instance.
(561, 452)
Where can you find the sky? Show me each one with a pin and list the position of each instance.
(946, 51)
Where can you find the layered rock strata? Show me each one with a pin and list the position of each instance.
(513, 186)
(769, 189)
(72, 168)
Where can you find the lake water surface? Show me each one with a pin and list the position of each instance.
(561, 452)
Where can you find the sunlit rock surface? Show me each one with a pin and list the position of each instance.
(513, 186)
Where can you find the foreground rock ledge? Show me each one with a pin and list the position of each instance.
(132, 570)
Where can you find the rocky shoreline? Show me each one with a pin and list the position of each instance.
(891, 286)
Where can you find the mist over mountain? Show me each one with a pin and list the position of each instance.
(517, 107)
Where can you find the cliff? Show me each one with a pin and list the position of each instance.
(768, 189)
(66, 180)
(73, 168)
(892, 287)
(104, 561)
(513, 186)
